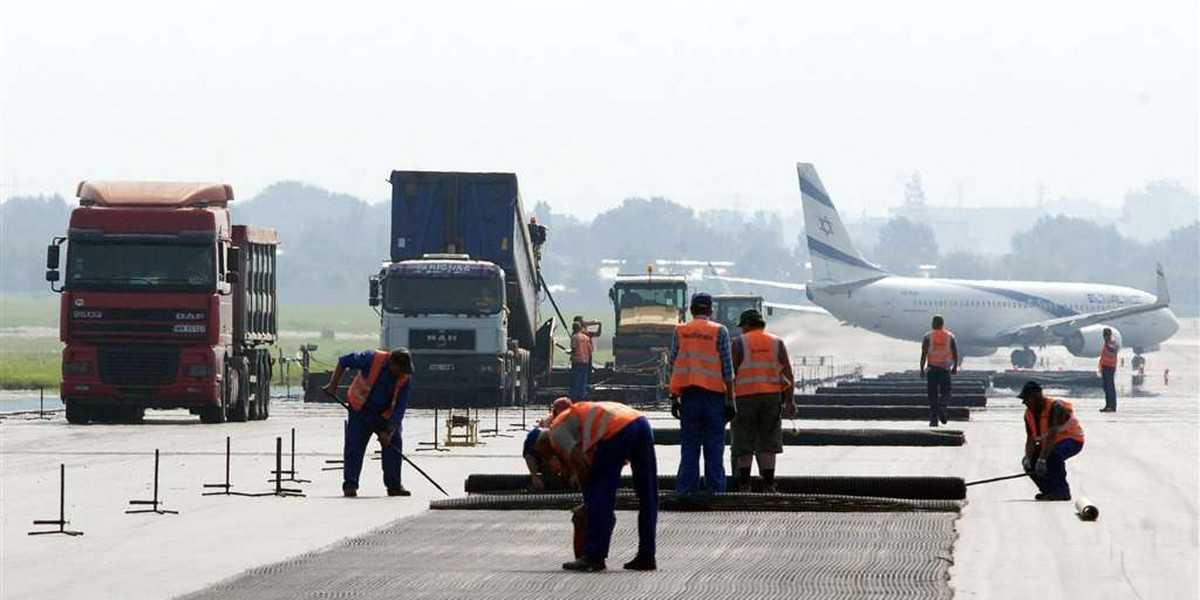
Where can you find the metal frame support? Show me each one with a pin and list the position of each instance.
(61, 521)
(154, 503)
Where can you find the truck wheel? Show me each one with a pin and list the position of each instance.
(264, 387)
(238, 400)
(133, 414)
(76, 414)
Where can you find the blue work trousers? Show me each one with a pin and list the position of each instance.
(1055, 482)
(701, 425)
(634, 444)
(581, 378)
(360, 429)
(1109, 375)
(937, 385)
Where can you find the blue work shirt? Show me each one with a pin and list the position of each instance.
(530, 448)
(380, 397)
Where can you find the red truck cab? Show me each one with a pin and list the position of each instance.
(165, 304)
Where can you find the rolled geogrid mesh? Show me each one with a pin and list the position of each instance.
(897, 388)
(845, 437)
(886, 399)
(667, 501)
(1016, 379)
(911, 488)
(876, 413)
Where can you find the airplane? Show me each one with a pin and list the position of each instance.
(984, 315)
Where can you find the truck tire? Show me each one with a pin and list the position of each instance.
(77, 414)
(264, 382)
(133, 414)
(238, 400)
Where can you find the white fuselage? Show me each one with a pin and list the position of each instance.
(978, 311)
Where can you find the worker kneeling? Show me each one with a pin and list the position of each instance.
(763, 386)
(1052, 435)
(590, 443)
(377, 402)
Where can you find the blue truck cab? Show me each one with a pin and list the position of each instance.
(460, 290)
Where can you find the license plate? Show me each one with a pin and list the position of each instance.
(439, 367)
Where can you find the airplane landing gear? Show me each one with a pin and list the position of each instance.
(1138, 363)
(1023, 358)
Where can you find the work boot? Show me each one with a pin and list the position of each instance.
(770, 488)
(398, 491)
(585, 565)
(349, 491)
(1052, 497)
(933, 423)
(942, 415)
(641, 563)
(1107, 409)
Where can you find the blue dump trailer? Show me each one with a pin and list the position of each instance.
(461, 289)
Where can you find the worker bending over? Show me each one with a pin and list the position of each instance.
(1108, 369)
(590, 443)
(701, 397)
(538, 469)
(582, 349)
(939, 352)
(1052, 435)
(378, 397)
(763, 386)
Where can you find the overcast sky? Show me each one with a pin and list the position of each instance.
(708, 104)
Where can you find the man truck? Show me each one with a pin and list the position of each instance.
(165, 304)
(461, 289)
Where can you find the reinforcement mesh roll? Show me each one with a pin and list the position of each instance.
(498, 555)
(876, 413)
(910, 488)
(886, 399)
(845, 437)
(896, 388)
(667, 501)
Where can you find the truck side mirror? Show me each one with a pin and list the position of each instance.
(373, 291)
(233, 260)
(52, 275)
(52, 257)
(770, 311)
(612, 294)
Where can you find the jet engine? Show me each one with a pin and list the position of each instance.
(1088, 341)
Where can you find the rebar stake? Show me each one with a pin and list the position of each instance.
(278, 473)
(291, 472)
(225, 487)
(153, 504)
(433, 446)
(61, 521)
(495, 430)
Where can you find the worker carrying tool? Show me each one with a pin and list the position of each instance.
(763, 384)
(582, 349)
(701, 391)
(1108, 369)
(378, 398)
(590, 443)
(1052, 435)
(939, 352)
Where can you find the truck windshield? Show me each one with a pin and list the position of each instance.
(629, 297)
(443, 295)
(728, 311)
(140, 265)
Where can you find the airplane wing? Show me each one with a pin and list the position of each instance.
(783, 285)
(800, 308)
(1054, 330)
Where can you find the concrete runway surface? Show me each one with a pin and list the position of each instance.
(1140, 465)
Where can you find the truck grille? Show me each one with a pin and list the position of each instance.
(138, 365)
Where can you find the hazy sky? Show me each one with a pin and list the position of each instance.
(591, 102)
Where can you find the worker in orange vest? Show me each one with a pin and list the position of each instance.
(939, 360)
(1108, 369)
(378, 398)
(582, 349)
(1052, 435)
(701, 391)
(590, 442)
(763, 386)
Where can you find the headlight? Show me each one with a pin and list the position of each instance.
(77, 367)
(199, 371)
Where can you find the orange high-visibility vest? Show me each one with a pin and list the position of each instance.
(1108, 355)
(360, 388)
(586, 424)
(1041, 427)
(698, 363)
(759, 371)
(939, 353)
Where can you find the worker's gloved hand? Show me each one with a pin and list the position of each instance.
(675, 406)
(922, 373)
(385, 436)
(1041, 469)
(1027, 465)
(537, 482)
(730, 412)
